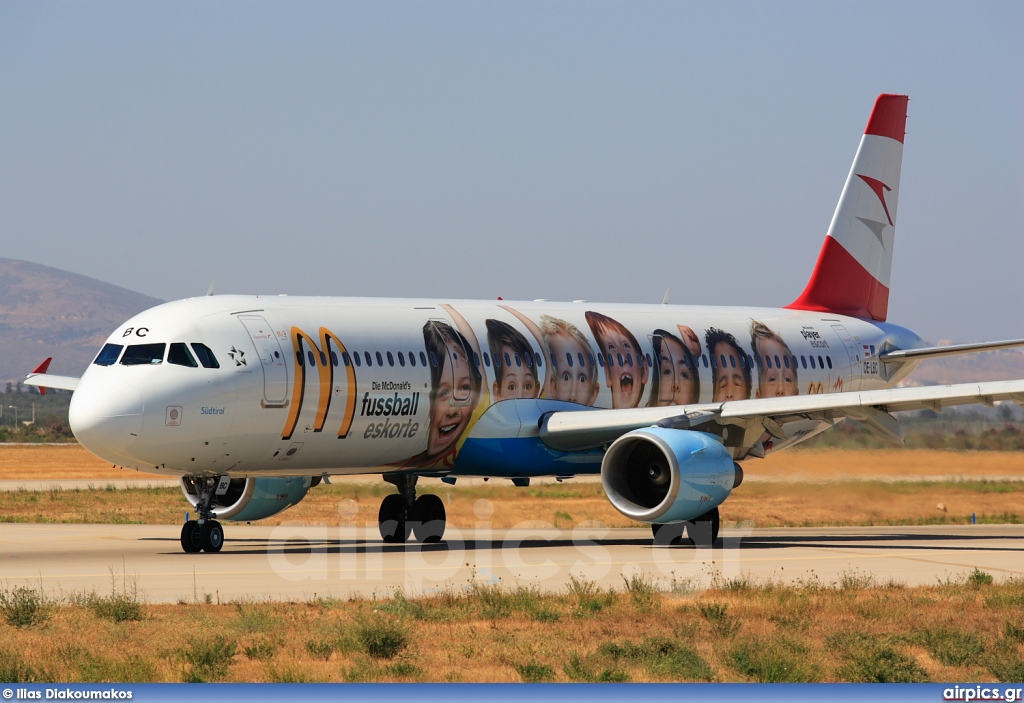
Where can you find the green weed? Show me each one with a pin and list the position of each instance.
(979, 578)
(382, 638)
(953, 647)
(25, 607)
(717, 616)
(772, 661)
(207, 659)
(535, 673)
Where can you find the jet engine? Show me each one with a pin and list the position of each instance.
(661, 475)
(243, 499)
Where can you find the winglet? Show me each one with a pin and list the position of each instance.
(42, 369)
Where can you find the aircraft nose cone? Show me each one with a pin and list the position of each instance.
(106, 419)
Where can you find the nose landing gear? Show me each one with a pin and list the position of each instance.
(404, 514)
(204, 534)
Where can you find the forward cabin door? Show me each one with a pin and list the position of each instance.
(271, 359)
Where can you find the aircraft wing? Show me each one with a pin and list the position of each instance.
(44, 380)
(577, 430)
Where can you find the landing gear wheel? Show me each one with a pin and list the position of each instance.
(670, 533)
(394, 528)
(190, 537)
(704, 530)
(428, 518)
(211, 535)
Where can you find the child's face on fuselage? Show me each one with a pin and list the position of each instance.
(675, 380)
(517, 380)
(730, 381)
(775, 382)
(452, 404)
(573, 384)
(625, 380)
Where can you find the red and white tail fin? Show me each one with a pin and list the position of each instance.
(852, 273)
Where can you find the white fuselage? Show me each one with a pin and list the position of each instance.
(371, 395)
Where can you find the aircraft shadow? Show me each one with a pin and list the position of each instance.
(895, 541)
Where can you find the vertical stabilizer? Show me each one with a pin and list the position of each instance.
(852, 273)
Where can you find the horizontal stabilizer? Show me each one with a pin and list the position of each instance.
(47, 380)
(902, 356)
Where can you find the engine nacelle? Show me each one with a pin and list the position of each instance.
(253, 498)
(660, 475)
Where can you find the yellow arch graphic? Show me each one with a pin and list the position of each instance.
(326, 337)
(325, 377)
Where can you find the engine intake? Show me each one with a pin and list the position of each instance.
(253, 498)
(660, 475)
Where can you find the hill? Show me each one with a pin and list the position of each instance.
(48, 312)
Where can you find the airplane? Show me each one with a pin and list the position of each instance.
(252, 400)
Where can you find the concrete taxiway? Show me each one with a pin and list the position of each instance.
(303, 562)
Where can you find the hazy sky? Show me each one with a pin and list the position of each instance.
(562, 150)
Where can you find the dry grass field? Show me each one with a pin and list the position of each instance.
(855, 630)
(72, 461)
(797, 488)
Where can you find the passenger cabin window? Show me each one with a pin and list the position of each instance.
(205, 355)
(391, 359)
(181, 356)
(355, 358)
(828, 360)
(401, 358)
(108, 354)
(423, 359)
(143, 354)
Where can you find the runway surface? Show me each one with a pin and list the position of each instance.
(300, 562)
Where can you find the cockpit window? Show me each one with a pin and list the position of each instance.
(205, 354)
(180, 355)
(108, 354)
(142, 354)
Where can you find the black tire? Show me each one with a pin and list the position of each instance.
(669, 533)
(428, 518)
(704, 530)
(391, 520)
(211, 535)
(190, 542)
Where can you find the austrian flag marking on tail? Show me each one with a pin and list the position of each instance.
(853, 269)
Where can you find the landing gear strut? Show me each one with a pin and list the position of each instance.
(404, 514)
(204, 534)
(702, 531)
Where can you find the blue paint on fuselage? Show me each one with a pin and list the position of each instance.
(522, 456)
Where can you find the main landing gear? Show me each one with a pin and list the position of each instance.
(204, 534)
(701, 531)
(403, 514)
